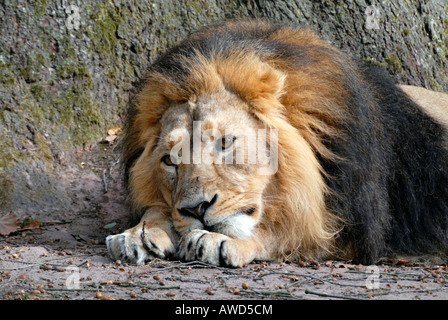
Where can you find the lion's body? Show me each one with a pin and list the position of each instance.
(362, 170)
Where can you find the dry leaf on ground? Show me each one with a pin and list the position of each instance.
(114, 131)
(8, 224)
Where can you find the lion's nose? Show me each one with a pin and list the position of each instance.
(198, 210)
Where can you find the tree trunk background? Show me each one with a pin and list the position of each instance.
(63, 84)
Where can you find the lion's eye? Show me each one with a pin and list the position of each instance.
(227, 142)
(167, 160)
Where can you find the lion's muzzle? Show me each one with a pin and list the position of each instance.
(198, 209)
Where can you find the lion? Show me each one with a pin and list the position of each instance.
(360, 171)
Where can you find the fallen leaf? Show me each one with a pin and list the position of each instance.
(8, 224)
(111, 138)
(110, 225)
(402, 262)
(29, 223)
(113, 131)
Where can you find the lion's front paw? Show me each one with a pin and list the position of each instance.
(214, 248)
(140, 244)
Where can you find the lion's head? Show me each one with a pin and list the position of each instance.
(221, 103)
(202, 165)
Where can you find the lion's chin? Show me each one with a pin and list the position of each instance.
(238, 226)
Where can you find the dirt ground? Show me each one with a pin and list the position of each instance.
(63, 257)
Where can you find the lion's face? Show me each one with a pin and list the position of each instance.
(205, 167)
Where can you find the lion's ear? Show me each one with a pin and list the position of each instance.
(264, 87)
(251, 78)
(271, 82)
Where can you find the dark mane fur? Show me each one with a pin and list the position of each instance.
(393, 184)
